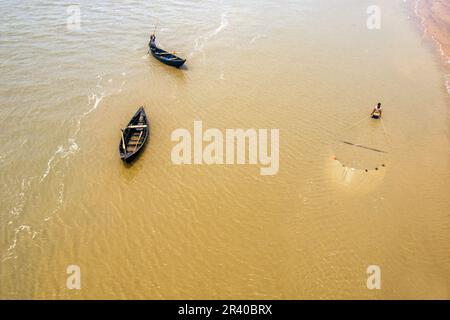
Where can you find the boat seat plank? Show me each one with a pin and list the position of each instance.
(137, 126)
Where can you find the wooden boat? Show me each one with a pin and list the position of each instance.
(134, 136)
(166, 57)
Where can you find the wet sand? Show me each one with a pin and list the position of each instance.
(435, 16)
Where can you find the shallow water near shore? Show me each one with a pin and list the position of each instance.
(156, 230)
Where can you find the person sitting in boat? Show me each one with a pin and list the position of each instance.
(152, 41)
(377, 111)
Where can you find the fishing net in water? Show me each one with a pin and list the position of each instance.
(364, 147)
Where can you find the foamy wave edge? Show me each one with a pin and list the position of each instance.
(62, 152)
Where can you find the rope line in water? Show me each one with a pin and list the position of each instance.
(354, 125)
(385, 133)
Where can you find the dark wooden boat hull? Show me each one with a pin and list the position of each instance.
(166, 57)
(134, 136)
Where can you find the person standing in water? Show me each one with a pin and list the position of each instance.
(377, 111)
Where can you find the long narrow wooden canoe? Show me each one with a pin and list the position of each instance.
(166, 57)
(134, 136)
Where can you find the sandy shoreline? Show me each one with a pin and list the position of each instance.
(435, 17)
